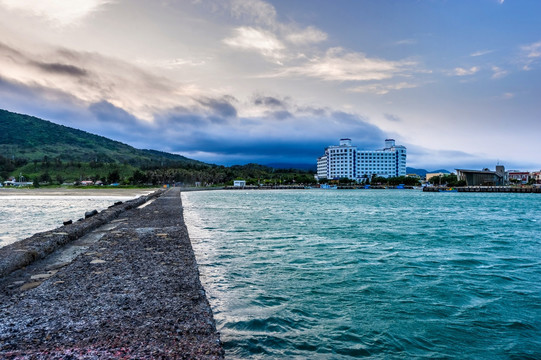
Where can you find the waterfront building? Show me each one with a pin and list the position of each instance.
(429, 176)
(347, 161)
(483, 177)
(415, 176)
(521, 177)
(322, 167)
(536, 175)
(239, 183)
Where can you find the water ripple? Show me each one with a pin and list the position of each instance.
(382, 275)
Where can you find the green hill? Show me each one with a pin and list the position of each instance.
(42, 152)
(33, 139)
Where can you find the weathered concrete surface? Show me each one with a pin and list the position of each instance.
(135, 294)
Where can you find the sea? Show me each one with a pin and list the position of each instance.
(21, 216)
(376, 274)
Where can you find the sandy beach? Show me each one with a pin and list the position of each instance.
(106, 191)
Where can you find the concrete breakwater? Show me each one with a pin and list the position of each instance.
(133, 293)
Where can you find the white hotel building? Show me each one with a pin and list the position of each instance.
(345, 161)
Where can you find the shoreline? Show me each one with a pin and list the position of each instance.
(106, 192)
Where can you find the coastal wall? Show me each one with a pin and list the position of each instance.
(134, 293)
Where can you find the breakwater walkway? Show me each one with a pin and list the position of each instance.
(132, 292)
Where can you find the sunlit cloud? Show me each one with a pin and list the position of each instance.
(59, 12)
(171, 64)
(339, 65)
(92, 78)
(249, 38)
(306, 36)
(466, 72)
(381, 89)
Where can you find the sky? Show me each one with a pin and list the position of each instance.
(238, 81)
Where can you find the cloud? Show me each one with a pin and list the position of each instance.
(58, 12)
(265, 34)
(307, 36)
(466, 72)
(107, 112)
(382, 89)
(392, 118)
(530, 54)
(256, 11)
(91, 78)
(171, 64)
(259, 40)
(280, 114)
(481, 53)
(498, 72)
(339, 65)
(123, 102)
(63, 69)
(301, 139)
(220, 107)
(433, 159)
(406, 42)
(269, 101)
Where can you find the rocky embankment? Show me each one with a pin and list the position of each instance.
(132, 294)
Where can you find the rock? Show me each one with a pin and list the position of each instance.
(30, 285)
(41, 276)
(67, 222)
(91, 213)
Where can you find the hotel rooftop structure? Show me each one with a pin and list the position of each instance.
(346, 161)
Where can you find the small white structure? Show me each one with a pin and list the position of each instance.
(239, 183)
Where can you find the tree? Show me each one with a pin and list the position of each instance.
(59, 179)
(114, 176)
(139, 177)
(45, 178)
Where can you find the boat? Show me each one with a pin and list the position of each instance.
(328, 187)
(448, 190)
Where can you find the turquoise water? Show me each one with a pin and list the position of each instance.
(382, 274)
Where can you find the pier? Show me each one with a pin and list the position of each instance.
(121, 284)
(485, 189)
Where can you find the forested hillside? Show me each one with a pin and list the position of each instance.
(43, 152)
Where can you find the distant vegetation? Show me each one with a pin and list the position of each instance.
(43, 152)
(449, 180)
(378, 180)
